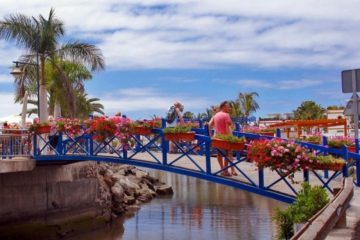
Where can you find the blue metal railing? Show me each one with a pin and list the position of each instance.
(156, 147)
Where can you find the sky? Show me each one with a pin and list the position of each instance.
(203, 52)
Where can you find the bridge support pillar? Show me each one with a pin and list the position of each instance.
(208, 157)
(261, 178)
(345, 169)
(165, 148)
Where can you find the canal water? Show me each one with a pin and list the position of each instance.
(197, 210)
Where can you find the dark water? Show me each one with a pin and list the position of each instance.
(197, 210)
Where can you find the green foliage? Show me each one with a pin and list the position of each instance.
(177, 129)
(189, 115)
(335, 107)
(308, 202)
(309, 110)
(285, 223)
(230, 138)
(248, 103)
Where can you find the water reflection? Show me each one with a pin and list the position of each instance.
(197, 210)
(203, 210)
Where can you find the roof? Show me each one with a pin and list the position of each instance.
(310, 123)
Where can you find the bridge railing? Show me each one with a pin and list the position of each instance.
(157, 147)
(14, 143)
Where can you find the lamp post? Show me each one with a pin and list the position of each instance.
(17, 71)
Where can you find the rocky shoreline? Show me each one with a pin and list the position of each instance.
(123, 188)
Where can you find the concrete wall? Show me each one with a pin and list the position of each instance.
(48, 195)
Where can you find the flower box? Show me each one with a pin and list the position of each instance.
(42, 129)
(226, 145)
(271, 134)
(175, 137)
(141, 130)
(330, 166)
(352, 149)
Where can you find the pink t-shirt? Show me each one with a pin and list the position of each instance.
(221, 120)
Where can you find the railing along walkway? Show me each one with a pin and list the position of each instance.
(194, 160)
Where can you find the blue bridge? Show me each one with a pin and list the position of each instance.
(196, 159)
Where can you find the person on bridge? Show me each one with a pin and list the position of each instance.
(223, 125)
(173, 118)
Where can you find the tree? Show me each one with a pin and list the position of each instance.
(87, 106)
(309, 110)
(335, 107)
(41, 35)
(189, 115)
(235, 109)
(247, 103)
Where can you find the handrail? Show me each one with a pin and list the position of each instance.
(319, 226)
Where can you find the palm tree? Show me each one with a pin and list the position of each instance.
(247, 103)
(188, 115)
(76, 74)
(87, 106)
(41, 36)
(235, 110)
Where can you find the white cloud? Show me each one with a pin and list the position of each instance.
(7, 106)
(6, 78)
(210, 33)
(137, 100)
(282, 84)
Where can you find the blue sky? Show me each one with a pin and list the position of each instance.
(204, 52)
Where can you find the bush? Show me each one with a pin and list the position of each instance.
(308, 202)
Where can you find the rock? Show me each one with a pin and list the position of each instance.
(133, 208)
(128, 185)
(145, 195)
(118, 192)
(148, 183)
(129, 200)
(164, 190)
(118, 209)
(109, 180)
(141, 174)
(117, 176)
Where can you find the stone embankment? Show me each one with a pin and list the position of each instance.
(122, 188)
(54, 201)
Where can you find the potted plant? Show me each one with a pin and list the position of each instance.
(69, 126)
(267, 131)
(144, 127)
(315, 139)
(40, 128)
(228, 142)
(327, 162)
(339, 142)
(102, 128)
(278, 154)
(179, 133)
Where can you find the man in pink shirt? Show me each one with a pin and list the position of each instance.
(223, 125)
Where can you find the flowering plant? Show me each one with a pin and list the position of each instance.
(278, 154)
(177, 129)
(102, 128)
(71, 126)
(258, 130)
(312, 139)
(271, 130)
(231, 138)
(339, 141)
(148, 124)
(35, 127)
